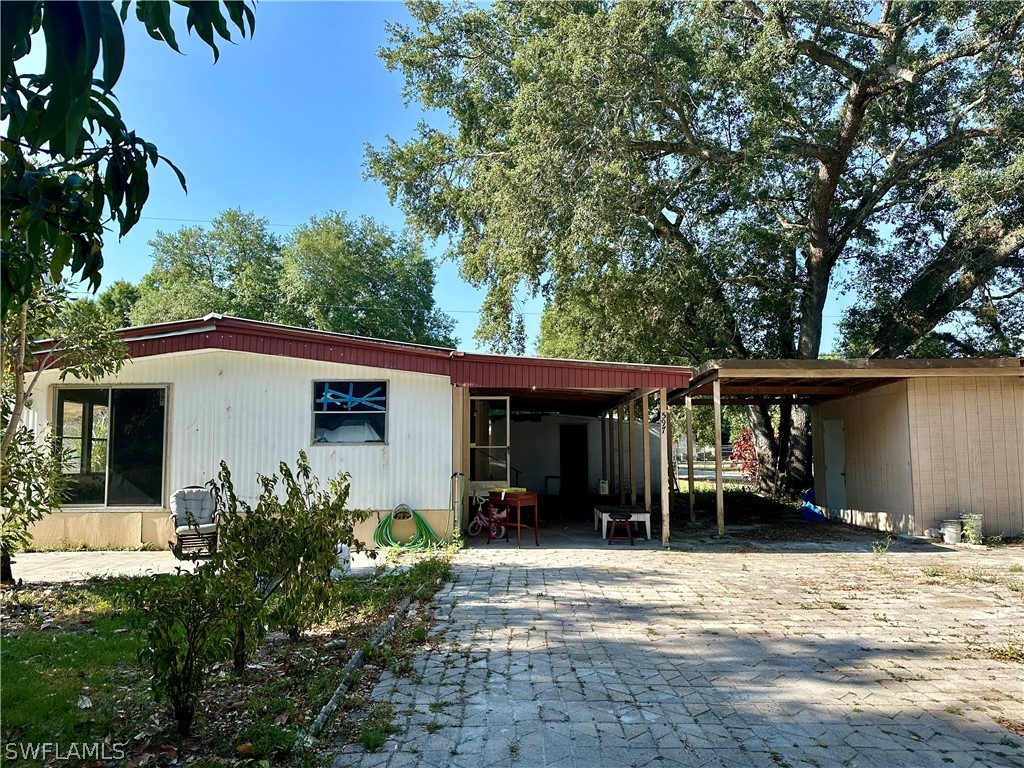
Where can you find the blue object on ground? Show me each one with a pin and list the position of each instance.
(809, 510)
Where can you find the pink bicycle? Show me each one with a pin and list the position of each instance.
(480, 521)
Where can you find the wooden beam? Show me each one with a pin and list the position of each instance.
(457, 446)
(736, 390)
(635, 394)
(645, 436)
(622, 458)
(631, 426)
(666, 459)
(689, 459)
(719, 495)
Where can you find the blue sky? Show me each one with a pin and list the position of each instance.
(277, 126)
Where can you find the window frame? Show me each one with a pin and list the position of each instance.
(55, 426)
(313, 412)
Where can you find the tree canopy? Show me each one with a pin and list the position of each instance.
(691, 180)
(71, 166)
(230, 268)
(359, 277)
(332, 273)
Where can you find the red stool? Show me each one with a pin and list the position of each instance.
(620, 519)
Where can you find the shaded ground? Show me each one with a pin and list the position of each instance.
(771, 647)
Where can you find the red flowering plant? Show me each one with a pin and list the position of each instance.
(744, 456)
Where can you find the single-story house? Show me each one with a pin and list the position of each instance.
(403, 419)
(899, 445)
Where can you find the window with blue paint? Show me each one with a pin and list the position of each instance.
(350, 411)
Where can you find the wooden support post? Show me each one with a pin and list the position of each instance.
(631, 426)
(466, 458)
(622, 458)
(457, 450)
(719, 495)
(689, 458)
(666, 458)
(612, 477)
(645, 436)
(604, 449)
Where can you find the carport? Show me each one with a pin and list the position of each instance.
(489, 389)
(905, 429)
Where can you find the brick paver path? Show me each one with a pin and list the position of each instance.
(638, 657)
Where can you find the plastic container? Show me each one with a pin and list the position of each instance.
(951, 531)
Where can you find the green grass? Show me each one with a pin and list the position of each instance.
(91, 646)
(742, 505)
(91, 651)
(1013, 651)
(378, 725)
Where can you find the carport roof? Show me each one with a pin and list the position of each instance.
(746, 382)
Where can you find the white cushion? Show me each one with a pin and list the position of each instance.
(192, 504)
(205, 528)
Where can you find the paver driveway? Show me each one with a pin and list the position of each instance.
(731, 654)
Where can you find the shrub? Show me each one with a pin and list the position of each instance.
(273, 566)
(744, 456)
(312, 522)
(280, 552)
(188, 631)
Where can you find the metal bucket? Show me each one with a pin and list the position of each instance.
(951, 531)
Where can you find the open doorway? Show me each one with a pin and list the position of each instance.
(574, 463)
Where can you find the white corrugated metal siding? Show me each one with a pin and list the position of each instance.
(254, 411)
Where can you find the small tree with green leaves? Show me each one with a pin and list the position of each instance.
(246, 550)
(189, 630)
(275, 557)
(313, 522)
(41, 334)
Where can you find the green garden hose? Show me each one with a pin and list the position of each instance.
(423, 538)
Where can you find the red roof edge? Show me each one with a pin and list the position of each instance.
(464, 369)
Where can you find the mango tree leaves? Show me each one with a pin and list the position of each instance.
(70, 165)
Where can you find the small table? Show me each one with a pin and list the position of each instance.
(640, 515)
(508, 502)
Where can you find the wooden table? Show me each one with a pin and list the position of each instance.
(508, 502)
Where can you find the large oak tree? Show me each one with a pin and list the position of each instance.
(691, 180)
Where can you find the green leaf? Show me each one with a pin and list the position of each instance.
(113, 46)
(177, 172)
(15, 26)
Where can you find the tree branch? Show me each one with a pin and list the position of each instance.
(932, 295)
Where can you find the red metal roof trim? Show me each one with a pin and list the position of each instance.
(464, 369)
(495, 371)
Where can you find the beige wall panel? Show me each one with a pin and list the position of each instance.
(879, 487)
(402, 530)
(96, 530)
(967, 450)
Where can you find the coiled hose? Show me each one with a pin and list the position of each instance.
(423, 538)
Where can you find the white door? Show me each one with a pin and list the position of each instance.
(835, 463)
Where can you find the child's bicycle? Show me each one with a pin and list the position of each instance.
(480, 521)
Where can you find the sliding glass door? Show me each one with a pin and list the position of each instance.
(114, 443)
